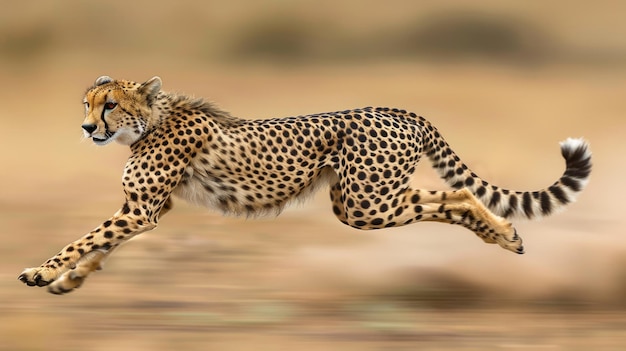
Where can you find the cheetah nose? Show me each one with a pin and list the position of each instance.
(89, 128)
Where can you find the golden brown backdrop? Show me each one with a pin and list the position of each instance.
(504, 82)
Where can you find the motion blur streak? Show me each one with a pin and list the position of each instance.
(503, 81)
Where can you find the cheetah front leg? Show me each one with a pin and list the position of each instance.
(70, 267)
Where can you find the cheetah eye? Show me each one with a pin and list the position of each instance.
(110, 105)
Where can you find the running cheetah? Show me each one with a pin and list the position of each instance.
(187, 147)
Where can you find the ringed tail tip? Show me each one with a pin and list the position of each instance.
(577, 155)
(576, 149)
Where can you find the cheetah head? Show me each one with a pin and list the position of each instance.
(118, 110)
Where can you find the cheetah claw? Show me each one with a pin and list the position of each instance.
(515, 243)
(34, 277)
(520, 248)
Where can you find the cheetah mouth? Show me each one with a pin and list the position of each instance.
(99, 141)
(108, 137)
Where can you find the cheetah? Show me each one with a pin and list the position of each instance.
(190, 148)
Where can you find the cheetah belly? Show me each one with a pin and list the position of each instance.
(210, 190)
(246, 194)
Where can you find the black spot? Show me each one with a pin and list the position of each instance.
(399, 211)
(121, 223)
(377, 221)
(495, 199)
(337, 211)
(527, 203)
(415, 198)
(512, 206)
(481, 191)
(546, 204)
(559, 194)
(108, 234)
(571, 183)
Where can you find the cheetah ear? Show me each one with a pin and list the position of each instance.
(103, 80)
(150, 89)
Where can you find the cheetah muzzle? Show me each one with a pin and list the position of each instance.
(189, 148)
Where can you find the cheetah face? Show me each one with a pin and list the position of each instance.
(118, 110)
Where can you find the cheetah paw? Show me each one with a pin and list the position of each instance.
(60, 282)
(511, 242)
(74, 278)
(67, 282)
(39, 276)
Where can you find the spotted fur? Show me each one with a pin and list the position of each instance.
(189, 148)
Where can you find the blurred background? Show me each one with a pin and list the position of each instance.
(503, 81)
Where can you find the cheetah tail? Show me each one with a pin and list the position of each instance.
(507, 203)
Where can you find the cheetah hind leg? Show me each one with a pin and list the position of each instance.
(463, 208)
(74, 278)
(454, 207)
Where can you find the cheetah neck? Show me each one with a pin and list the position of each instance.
(168, 105)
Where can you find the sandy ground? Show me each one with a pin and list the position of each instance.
(303, 280)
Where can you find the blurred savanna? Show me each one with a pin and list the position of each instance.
(504, 82)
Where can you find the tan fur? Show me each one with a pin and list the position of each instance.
(189, 148)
